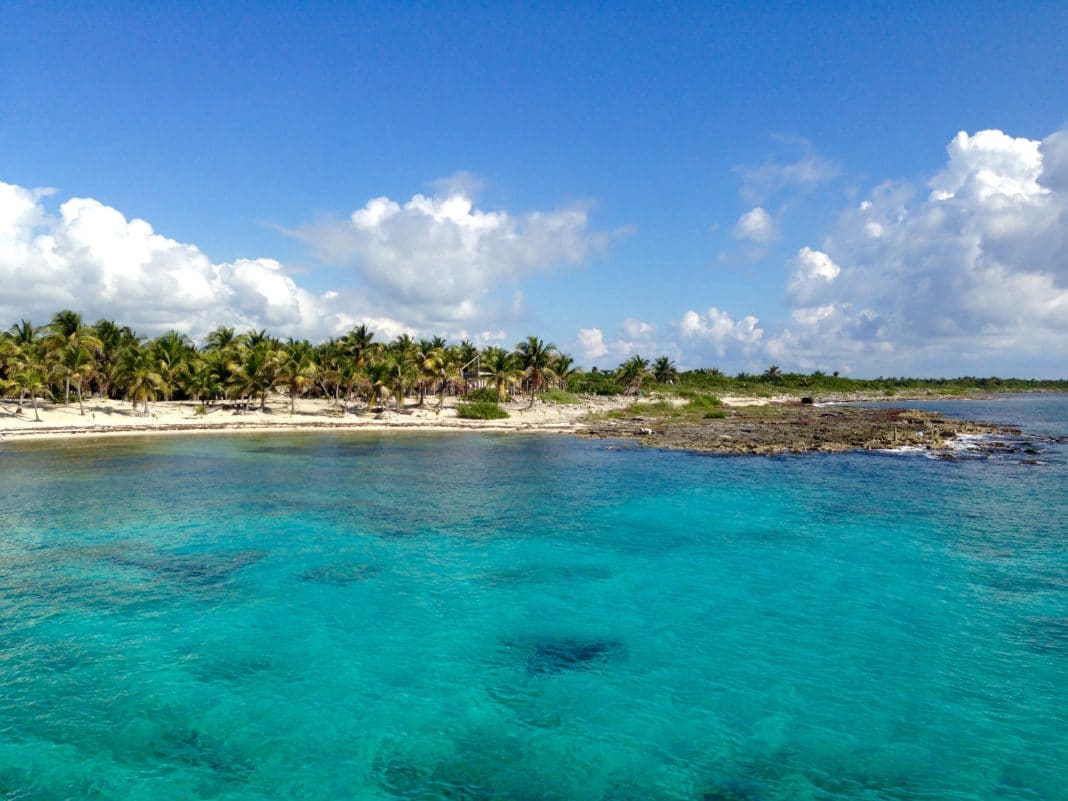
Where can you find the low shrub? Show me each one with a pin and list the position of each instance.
(559, 396)
(700, 403)
(484, 395)
(480, 410)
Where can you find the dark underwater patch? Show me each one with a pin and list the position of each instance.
(196, 569)
(537, 574)
(556, 655)
(194, 750)
(340, 574)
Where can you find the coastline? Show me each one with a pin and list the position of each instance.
(746, 425)
(115, 419)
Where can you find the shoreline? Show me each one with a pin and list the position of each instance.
(748, 425)
(169, 418)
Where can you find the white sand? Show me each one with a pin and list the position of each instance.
(110, 417)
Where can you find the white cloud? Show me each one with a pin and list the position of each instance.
(772, 176)
(814, 273)
(438, 258)
(637, 329)
(591, 343)
(970, 275)
(90, 258)
(718, 331)
(433, 264)
(756, 225)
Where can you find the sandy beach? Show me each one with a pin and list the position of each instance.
(117, 418)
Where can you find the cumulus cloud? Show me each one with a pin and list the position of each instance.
(718, 332)
(634, 337)
(637, 329)
(90, 257)
(813, 275)
(970, 272)
(424, 267)
(591, 343)
(756, 225)
(439, 257)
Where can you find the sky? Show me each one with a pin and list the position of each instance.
(873, 188)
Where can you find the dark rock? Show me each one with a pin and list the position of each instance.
(806, 401)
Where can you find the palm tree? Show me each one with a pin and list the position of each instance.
(466, 353)
(773, 373)
(632, 373)
(68, 334)
(423, 360)
(253, 339)
(441, 363)
(359, 345)
(254, 373)
(9, 354)
(565, 368)
(31, 379)
(503, 369)
(76, 364)
(23, 333)
(173, 351)
(221, 338)
(296, 369)
(664, 371)
(113, 340)
(66, 323)
(138, 374)
(200, 378)
(378, 376)
(536, 359)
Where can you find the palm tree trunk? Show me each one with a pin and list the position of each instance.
(81, 409)
(36, 416)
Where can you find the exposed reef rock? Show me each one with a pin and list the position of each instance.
(777, 429)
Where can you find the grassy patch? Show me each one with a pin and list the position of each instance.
(767, 410)
(559, 396)
(483, 395)
(480, 410)
(703, 403)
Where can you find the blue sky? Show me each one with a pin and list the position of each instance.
(686, 179)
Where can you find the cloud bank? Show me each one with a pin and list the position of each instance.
(427, 266)
(91, 258)
(973, 271)
(440, 259)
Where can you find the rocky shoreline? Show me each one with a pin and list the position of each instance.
(776, 429)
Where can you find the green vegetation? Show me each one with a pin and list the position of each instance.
(706, 407)
(485, 394)
(68, 360)
(480, 410)
(559, 396)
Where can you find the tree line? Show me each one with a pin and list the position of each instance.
(68, 359)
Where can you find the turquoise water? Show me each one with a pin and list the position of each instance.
(506, 617)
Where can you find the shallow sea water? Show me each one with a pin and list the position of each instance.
(506, 617)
